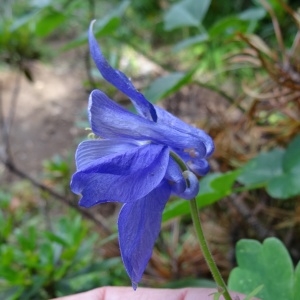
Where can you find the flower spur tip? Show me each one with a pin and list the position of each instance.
(134, 285)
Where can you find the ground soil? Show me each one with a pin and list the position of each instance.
(46, 110)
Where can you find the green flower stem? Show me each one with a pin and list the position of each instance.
(202, 241)
(205, 250)
(179, 161)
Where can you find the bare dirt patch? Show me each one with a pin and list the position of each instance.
(45, 112)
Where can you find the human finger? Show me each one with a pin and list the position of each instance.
(120, 293)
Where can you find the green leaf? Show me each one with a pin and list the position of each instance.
(268, 264)
(47, 259)
(223, 184)
(227, 26)
(160, 87)
(262, 168)
(284, 186)
(195, 40)
(287, 185)
(95, 267)
(24, 20)
(56, 238)
(252, 14)
(291, 159)
(186, 13)
(213, 188)
(49, 22)
(104, 27)
(27, 239)
(166, 85)
(277, 170)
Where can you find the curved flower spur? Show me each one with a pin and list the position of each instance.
(139, 160)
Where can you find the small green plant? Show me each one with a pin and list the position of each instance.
(268, 264)
(40, 263)
(57, 172)
(277, 170)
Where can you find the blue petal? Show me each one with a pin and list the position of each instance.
(199, 167)
(89, 151)
(139, 225)
(123, 177)
(183, 184)
(110, 120)
(164, 117)
(175, 177)
(194, 161)
(192, 189)
(120, 80)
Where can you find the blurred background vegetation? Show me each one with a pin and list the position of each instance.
(231, 68)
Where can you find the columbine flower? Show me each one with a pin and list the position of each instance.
(135, 161)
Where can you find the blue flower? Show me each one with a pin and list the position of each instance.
(134, 161)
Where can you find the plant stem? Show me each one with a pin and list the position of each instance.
(202, 241)
(205, 250)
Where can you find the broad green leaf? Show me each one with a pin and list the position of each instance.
(251, 14)
(284, 186)
(24, 20)
(166, 85)
(162, 86)
(268, 264)
(277, 170)
(106, 26)
(291, 159)
(227, 27)
(213, 188)
(49, 22)
(223, 184)
(195, 40)
(262, 168)
(186, 13)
